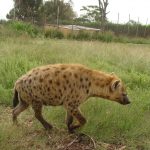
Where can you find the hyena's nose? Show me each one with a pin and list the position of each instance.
(126, 100)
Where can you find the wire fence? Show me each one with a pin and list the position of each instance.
(130, 28)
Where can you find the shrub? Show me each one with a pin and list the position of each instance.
(105, 37)
(83, 35)
(71, 35)
(22, 27)
(54, 33)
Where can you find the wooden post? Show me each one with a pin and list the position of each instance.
(145, 27)
(137, 29)
(118, 19)
(72, 26)
(15, 10)
(118, 23)
(58, 17)
(129, 25)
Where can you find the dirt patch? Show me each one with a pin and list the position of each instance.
(29, 136)
(78, 142)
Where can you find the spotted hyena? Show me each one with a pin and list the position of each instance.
(65, 84)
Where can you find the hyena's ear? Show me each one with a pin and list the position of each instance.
(115, 84)
(112, 73)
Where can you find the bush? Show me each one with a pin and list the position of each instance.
(87, 35)
(71, 36)
(105, 37)
(2, 21)
(82, 35)
(54, 33)
(27, 28)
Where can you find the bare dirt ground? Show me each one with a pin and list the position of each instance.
(29, 137)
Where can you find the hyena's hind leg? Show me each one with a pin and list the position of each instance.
(18, 109)
(37, 107)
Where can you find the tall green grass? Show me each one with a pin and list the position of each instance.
(107, 121)
(16, 29)
(54, 33)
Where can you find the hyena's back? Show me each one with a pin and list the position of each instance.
(54, 84)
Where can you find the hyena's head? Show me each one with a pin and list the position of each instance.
(117, 92)
(110, 87)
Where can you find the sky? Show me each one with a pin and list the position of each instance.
(138, 9)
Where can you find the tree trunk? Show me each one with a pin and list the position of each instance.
(103, 13)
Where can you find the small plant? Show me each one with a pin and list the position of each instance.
(54, 33)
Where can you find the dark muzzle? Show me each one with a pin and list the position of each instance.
(125, 100)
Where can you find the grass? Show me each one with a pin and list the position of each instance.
(17, 29)
(107, 121)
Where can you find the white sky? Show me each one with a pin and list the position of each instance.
(136, 8)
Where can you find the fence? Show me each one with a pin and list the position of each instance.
(131, 28)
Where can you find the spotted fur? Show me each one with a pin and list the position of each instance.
(69, 85)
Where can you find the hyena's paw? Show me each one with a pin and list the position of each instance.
(47, 126)
(15, 121)
(72, 128)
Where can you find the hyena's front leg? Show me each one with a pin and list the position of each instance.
(37, 107)
(69, 120)
(80, 118)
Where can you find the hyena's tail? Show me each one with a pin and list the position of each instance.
(15, 98)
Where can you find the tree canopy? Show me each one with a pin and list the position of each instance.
(91, 13)
(26, 10)
(37, 11)
(54, 8)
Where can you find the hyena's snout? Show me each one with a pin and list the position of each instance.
(125, 100)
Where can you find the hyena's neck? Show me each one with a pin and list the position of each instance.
(100, 84)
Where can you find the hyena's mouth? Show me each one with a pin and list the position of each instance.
(125, 101)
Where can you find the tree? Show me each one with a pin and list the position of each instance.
(51, 10)
(96, 13)
(103, 4)
(91, 14)
(26, 10)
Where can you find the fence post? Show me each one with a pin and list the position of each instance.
(44, 15)
(129, 25)
(58, 17)
(72, 26)
(137, 29)
(118, 23)
(145, 27)
(14, 17)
